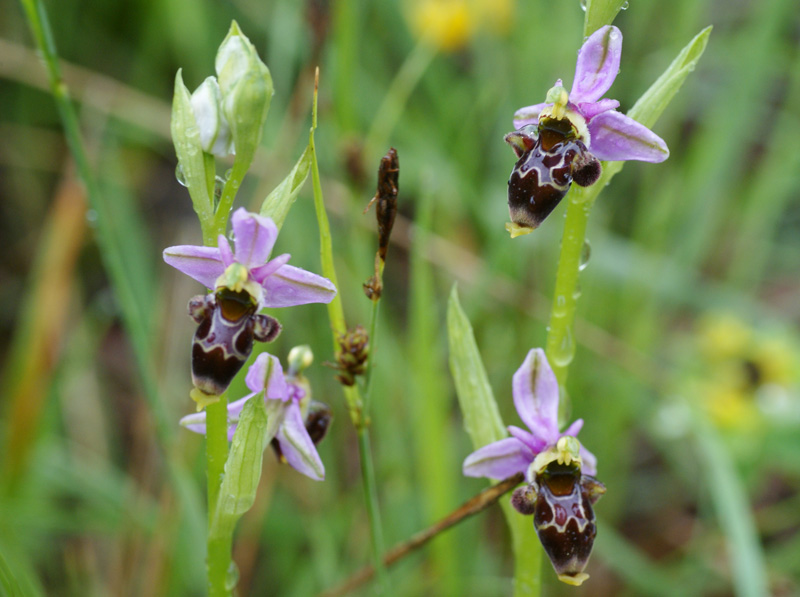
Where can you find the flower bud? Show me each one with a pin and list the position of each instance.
(300, 359)
(215, 135)
(246, 87)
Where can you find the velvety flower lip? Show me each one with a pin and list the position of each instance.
(281, 285)
(611, 134)
(535, 391)
(266, 376)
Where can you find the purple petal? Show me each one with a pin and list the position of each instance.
(597, 66)
(589, 466)
(297, 446)
(254, 237)
(591, 109)
(573, 429)
(531, 440)
(499, 459)
(261, 272)
(195, 422)
(201, 263)
(291, 286)
(224, 250)
(266, 375)
(619, 137)
(535, 390)
(528, 115)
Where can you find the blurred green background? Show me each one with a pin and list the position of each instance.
(687, 365)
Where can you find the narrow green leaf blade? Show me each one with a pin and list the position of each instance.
(280, 200)
(257, 426)
(481, 416)
(655, 100)
(484, 425)
(735, 515)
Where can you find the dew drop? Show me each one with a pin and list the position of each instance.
(563, 353)
(179, 175)
(219, 185)
(624, 5)
(560, 307)
(583, 5)
(586, 253)
(232, 577)
(228, 173)
(91, 217)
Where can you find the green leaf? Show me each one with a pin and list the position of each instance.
(191, 158)
(734, 512)
(484, 425)
(600, 13)
(655, 100)
(258, 424)
(481, 416)
(281, 199)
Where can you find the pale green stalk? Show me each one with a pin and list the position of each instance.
(352, 394)
(560, 346)
(219, 545)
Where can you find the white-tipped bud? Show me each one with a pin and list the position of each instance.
(300, 359)
(215, 135)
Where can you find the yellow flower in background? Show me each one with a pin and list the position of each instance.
(451, 24)
(747, 374)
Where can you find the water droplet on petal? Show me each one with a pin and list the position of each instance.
(586, 253)
(179, 175)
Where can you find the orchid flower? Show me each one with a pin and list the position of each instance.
(288, 401)
(271, 282)
(535, 391)
(560, 488)
(609, 135)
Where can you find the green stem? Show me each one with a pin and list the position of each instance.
(219, 546)
(373, 344)
(220, 221)
(352, 394)
(560, 345)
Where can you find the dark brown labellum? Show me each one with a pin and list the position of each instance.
(550, 158)
(227, 327)
(564, 518)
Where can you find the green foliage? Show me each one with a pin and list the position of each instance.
(110, 500)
